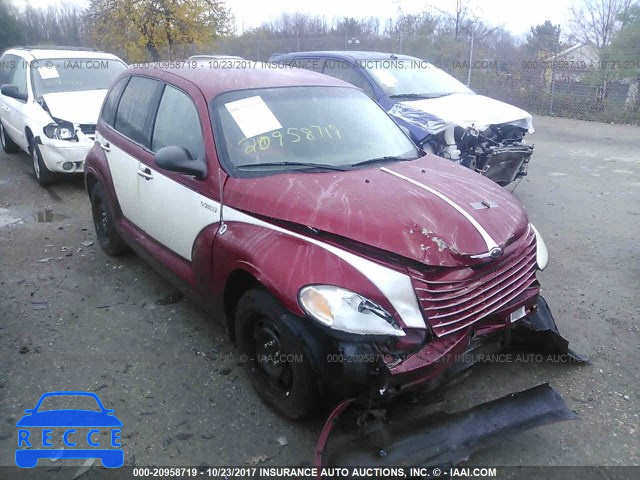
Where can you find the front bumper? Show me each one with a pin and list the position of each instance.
(57, 153)
(360, 368)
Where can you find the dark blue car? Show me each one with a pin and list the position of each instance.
(69, 419)
(442, 115)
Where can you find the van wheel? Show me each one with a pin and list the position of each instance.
(44, 176)
(279, 369)
(8, 145)
(109, 238)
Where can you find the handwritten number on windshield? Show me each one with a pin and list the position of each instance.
(293, 135)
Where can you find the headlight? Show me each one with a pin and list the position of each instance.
(542, 255)
(346, 311)
(60, 130)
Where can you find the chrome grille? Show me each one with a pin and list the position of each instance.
(449, 306)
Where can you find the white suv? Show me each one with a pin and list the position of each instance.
(49, 104)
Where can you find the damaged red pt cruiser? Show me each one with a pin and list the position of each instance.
(348, 263)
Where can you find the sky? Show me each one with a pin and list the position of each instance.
(516, 16)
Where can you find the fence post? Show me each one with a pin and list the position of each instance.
(470, 58)
(553, 71)
(257, 49)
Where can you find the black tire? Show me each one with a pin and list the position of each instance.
(8, 145)
(43, 175)
(109, 238)
(262, 335)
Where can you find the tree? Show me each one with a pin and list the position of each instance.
(141, 28)
(597, 21)
(544, 39)
(10, 33)
(623, 53)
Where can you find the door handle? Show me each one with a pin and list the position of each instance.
(6, 109)
(105, 146)
(145, 173)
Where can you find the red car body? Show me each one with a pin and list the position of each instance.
(450, 255)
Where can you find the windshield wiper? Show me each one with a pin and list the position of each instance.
(388, 158)
(291, 164)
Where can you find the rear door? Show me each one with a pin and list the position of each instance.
(14, 111)
(7, 67)
(176, 210)
(129, 113)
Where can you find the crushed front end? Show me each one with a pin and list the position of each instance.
(499, 152)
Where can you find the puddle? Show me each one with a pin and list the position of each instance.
(48, 216)
(7, 219)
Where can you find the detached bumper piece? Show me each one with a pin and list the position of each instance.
(539, 332)
(447, 439)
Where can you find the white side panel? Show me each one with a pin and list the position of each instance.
(125, 180)
(173, 214)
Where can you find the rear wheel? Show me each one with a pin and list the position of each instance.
(109, 238)
(8, 145)
(44, 176)
(279, 369)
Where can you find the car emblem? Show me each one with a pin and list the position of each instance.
(495, 252)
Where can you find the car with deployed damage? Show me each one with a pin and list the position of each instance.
(50, 98)
(443, 115)
(342, 267)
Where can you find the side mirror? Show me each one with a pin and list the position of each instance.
(12, 92)
(178, 159)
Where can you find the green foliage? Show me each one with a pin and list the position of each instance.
(143, 27)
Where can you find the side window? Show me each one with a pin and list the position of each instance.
(346, 72)
(177, 123)
(134, 109)
(111, 102)
(8, 64)
(20, 76)
(313, 64)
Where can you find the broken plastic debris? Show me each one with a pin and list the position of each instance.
(87, 243)
(283, 441)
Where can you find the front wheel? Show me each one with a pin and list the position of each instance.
(109, 238)
(44, 176)
(279, 369)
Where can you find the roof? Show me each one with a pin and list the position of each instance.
(213, 81)
(64, 52)
(354, 55)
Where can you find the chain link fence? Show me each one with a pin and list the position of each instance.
(566, 79)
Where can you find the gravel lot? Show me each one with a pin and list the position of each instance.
(72, 318)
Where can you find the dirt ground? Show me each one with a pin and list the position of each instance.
(72, 318)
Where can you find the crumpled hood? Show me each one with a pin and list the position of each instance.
(390, 212)
(463, 109)
(76, 107)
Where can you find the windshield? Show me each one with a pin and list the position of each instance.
(56, 75)
(415, 80)
(293, 127)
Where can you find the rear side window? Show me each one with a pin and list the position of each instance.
(313, 64)
(19, 78)
(135, 108)
(177, 123)
(346, 72)
(111, 102)
(8, 64)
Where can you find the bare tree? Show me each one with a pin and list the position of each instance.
(597, 21)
